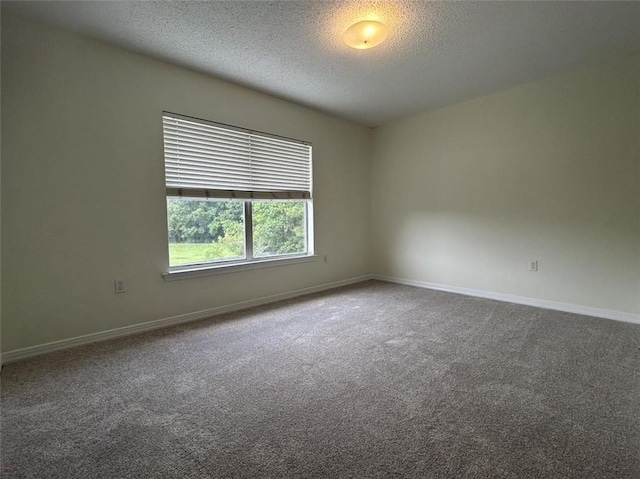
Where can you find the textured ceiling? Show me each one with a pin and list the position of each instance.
(437, 53)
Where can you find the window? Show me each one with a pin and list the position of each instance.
(234, 196)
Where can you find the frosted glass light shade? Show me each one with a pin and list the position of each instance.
(366, 34)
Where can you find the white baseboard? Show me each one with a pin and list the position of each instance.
(24, 353)
(510, 298)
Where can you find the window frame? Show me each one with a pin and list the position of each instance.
(249, 262)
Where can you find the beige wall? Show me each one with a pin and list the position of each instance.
(83, 187)
(465, 196)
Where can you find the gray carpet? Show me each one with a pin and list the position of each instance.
(371, 380)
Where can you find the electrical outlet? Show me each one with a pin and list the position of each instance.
(118, 285)
(533, 266)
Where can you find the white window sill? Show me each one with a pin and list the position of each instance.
(196, 271)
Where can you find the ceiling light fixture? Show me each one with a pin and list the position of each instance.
(366, 34)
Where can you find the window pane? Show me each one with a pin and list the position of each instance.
(203, 231)
(279, 227)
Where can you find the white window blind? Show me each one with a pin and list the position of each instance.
(207, 159)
